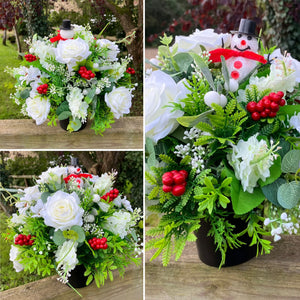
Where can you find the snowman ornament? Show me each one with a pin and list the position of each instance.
(242, 58)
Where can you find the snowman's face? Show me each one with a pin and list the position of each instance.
(243, 42)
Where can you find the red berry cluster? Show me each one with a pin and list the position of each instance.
(87, 74)
(43, 88)
(130, 71)
(175, 182)
(24, 240)
(113, 194)
(268, 106)
(97, 244)
(30, 57)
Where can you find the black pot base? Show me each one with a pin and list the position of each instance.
(77, 278)
(207, 249)
(64, 125)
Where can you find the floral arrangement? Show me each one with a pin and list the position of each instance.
(222, 142)
(71, 218)
(76, 78)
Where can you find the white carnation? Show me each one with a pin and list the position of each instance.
(77, 106)
(119, 223)
(104, 183)
(113, 49)
(251, 161)
(13, 254)
(53, 175)
(66, 257)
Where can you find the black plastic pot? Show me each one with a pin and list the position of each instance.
(77, 278)
(64, 124)
(207, 248)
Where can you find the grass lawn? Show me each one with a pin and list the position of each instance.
(8, 57)
(9, 277)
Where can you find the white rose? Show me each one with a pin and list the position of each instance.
(13, 254)
(72, 51)
(30, 194)
(38, 109)
(295, 122)
(113, 48)
(62, 211)
(53, 175)
(207, 38)
(119, 101)
(161, 90)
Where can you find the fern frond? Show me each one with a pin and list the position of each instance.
(155, 231)
(171, 201)
(150, 178)
(184, 199)
(151, 243)
(154, 193)
(186, 160)
(155, 208)
(230, 107)
(166, 255)
(205, 127)
(267, 129)
(167, 159)
(179, 246)
(203, 139)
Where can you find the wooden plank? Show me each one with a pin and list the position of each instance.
(128, 288)
(126, 133)
(272, 276)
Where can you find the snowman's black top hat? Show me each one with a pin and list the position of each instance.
(246, 27)
(66, 25)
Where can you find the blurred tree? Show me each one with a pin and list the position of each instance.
(282, 25)
(130, 15)
(10, 14)
(35, 14)
(222, 15)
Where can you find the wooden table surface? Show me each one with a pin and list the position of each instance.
(272, 276)
(125, 133)
(128, 288)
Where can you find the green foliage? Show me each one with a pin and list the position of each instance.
(282, 25)
(225, 124)
(132, 171)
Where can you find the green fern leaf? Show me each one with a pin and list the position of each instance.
(150, 178)
(167, 159)
(230, 107)
(205, 127)
(186, 160)
(154, 193)
(155, 231)
(203, 139)
(179, 246)
(171, 201)
(166, 255)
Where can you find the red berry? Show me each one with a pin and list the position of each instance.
(179, 178)
(280, 94)
(272, 114)
(255, 116)
(167, 180)
(167, 188)
(174, 172)
(274, 107)
(105, 246)
(275, 97)
(184, 173)
(282, 102)
(266, 102)
(263, 114)
(259, 106)
(167, 174)
(178, 190)
(251, 106)
(104, 240)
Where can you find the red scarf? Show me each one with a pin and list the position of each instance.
(57, 38)
(215, 55)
